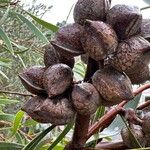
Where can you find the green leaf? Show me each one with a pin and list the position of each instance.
(6, 40)
(17, 121)
(19, 138)
(6, 128)
(99, 113)
(118, 124)
(62, 135)
(6, 60)
(21, 60)
(37, 139)
(33, 28)
(5, 16)
(10, 146)
(7, 117)
(133, 138)
(7, 101)
(30, 122)
(20, 47)
(44, 23)
(4, 75)
(3, 64)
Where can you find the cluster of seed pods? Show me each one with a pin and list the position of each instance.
(116, 36)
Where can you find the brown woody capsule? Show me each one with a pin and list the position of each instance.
(145, 29)
(57, 79)
(146, 123)
(99, 39)
(32, 79)
(141, 75)
(56, 111)
(90, 9)
(67, 40)
(130, 53)
(85, 98)
(52, 57)
(127, 137)
(112, 85)
(126, 20)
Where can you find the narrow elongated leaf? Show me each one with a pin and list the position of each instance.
(4, 17)
(7, 101)
(21, 48)
(6, 60)
(17, 121)
(21, 60)
(33, 28)
(7, 117)
(10, 146)
(133, 138)
(6, 40)
(4, 64)
(5, 129)
(37, 139)
(30, 122)
(44, 23)
(4, 75)
(118, 124)
(19, 138)
(61, 136)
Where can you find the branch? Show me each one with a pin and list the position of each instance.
(16, 93)
(82, 121)
(109, 116)
(144, 105)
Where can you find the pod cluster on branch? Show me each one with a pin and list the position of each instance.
(116, 39)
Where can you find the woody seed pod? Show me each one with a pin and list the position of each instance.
(85, 98)
(112, 85)
(56, 111)
(130, 53)
(90, 9)
(57, 79)
(126, 20)
(127, 137)
(32, 79)
(67, 40)
(99, 39)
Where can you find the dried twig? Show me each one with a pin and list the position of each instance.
(16, 93)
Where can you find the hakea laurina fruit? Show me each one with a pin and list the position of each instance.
(52, 57)
(112, 85)
(145, 29)
(141, 75)
(57, 79)
(85, 98)
(126, 20)
(32, 79)
(67, 40)
(127, 137)
(99, 39)
(57, 111)
(90, 9)
(146, 123)
(130, 53)
(145, 126)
